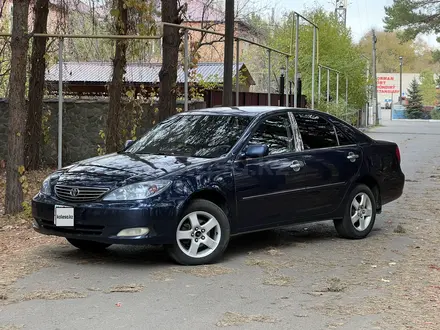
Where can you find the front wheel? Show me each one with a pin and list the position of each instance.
(89, 246)
(360, 214)
(202, 234)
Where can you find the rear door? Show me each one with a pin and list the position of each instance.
(331, 161)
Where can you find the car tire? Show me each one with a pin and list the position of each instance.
(89, 246)
(359, 214)
(201, 235)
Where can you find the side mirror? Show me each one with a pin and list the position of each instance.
(128, 143)
(257, 151)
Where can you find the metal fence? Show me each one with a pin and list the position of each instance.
(81, 66)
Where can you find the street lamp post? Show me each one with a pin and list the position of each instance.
(282, 78)
(290, 93)
(401, 68)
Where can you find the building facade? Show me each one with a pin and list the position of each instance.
(388, 87)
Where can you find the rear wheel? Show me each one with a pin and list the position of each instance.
(360, 214)
(202, 234)
(89, 246)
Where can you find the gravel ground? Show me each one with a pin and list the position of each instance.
(302, 277)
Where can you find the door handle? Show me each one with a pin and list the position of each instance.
(352, 156)
(296, 165)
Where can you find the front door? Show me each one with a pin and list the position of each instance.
(265, 186)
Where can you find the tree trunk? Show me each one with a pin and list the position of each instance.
(113, 136)
(36, 88)
(17, 107)
(170, 58)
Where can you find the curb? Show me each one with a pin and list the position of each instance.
(418, 120)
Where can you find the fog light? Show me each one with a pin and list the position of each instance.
(134, 232)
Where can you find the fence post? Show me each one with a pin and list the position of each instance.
(268, 87)
(237, 75)
(185, 68)
(313, 67)
(295, 98)
(319, 83)
(286, 80)
(337, 87)
(346, 98)
(60, 103)
(328, 86)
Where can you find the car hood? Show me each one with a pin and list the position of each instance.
(111, 169)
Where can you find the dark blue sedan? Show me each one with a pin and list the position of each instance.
(199, 177)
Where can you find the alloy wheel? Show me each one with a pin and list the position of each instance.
(198, 234)
(361, 211)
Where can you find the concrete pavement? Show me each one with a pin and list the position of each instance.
(303, 277)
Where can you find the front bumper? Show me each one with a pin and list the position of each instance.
(102, 221)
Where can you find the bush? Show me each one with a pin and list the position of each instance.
(435, 113)
(340, 111)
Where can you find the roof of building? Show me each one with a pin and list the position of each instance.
(101, 72)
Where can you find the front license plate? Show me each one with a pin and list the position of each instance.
(63, 216)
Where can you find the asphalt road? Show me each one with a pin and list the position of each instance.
(303, 277)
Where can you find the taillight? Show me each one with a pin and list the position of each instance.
(398, 154)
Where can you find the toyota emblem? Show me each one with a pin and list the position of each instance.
(74, 192)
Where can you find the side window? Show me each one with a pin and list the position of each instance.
(342, 138)
(315, 131)
(350, 132)
(276, 133)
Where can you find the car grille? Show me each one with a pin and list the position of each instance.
(79, 194)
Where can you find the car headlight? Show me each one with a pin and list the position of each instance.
(141, 190)
(46, 187)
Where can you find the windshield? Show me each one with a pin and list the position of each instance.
(206, 136)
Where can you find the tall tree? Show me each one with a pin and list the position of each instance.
(36, 87)
(412, 18)
(336, 50)
(171, 13)
(120, 13)
(428, 88)
(415, 101)
(416, 53)
(17, 107)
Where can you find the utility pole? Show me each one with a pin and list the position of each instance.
(341, 11)
(375, 103)
(401, 72)
(228, 60)
(367, 107)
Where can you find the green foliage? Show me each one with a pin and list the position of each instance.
(350, 115)
(412, 18)
(415, 106)
(427, 88)
(5, 55)
(101, 148)
(417, 54)
(435, 114)
(45, 125)
(336, 50)
(27, 209)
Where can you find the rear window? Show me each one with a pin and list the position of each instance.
(350, 132)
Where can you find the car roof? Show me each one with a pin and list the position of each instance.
(251, 111)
